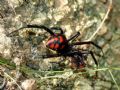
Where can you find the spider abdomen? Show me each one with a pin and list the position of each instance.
(57, 42)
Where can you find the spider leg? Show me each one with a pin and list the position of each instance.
(87, 42)
(34, 26)
(92, 54)
(94, 58)
(95, 61)
(54, 55)
(74, 36)
(49, 56)
(59, 54)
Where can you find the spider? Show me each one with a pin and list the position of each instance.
(59, 43)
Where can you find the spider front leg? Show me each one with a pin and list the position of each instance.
(87, 42)
(34, 26)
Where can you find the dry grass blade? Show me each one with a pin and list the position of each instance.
(105, 17)
(13, 80)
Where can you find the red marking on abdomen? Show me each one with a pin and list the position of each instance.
(56, 42)
(52, 46)
(49, 42)
(56, 46)
(61, 39)
(55, 39)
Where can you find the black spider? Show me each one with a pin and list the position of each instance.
(63, 47)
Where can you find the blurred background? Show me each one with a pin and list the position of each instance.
(21, 66)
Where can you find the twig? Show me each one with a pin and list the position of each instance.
(113, 79)
(3, 84)
(13, 80)
(105, 17)
(56, 76)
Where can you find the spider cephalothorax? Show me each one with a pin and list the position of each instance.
(59, 43)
